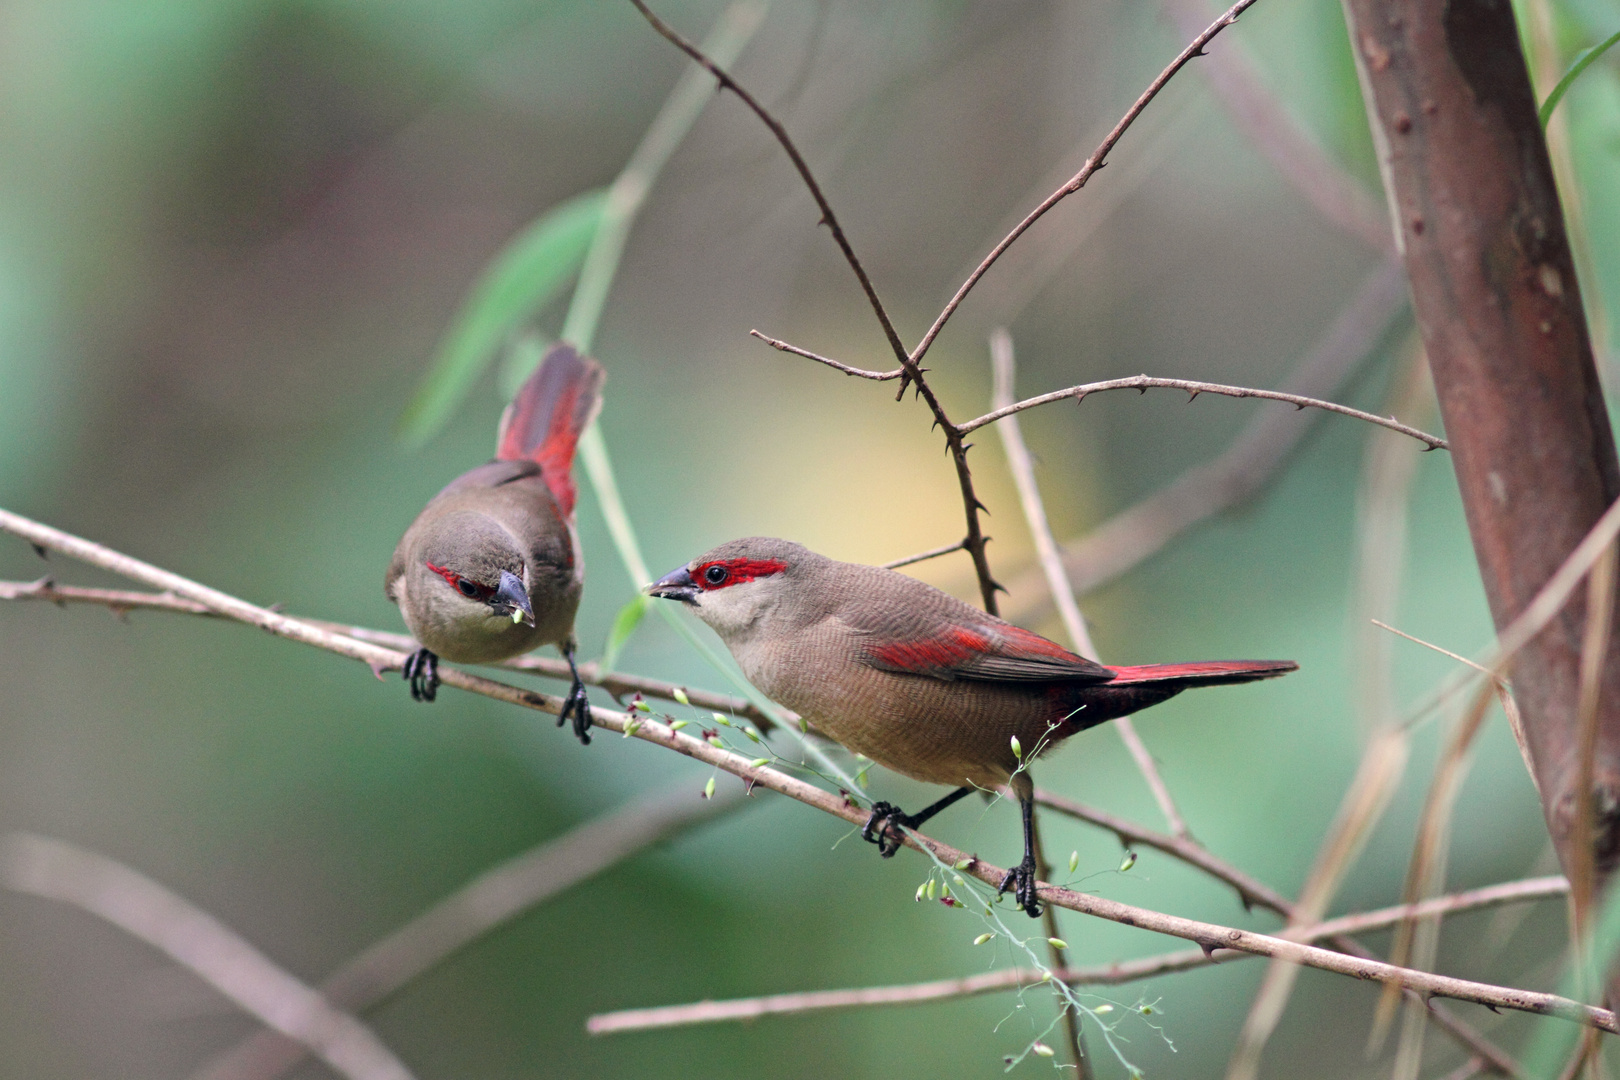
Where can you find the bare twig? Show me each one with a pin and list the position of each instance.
(1104, 975)
(1029, 495)
(648, 729)
(922, 556)
(1194, 387)
(200, 943)
(1096, 161)
(1141, 531)
(489, 900)
(875, 376)
(911, 372)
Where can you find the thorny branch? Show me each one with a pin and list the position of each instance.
(1208, 936)
(1114, 974)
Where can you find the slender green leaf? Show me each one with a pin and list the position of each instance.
(624, 624)
(1582, 62)
(530, 270)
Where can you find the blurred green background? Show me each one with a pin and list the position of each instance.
(232, 235)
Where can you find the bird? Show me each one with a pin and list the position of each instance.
(492, 566)
(914, 678)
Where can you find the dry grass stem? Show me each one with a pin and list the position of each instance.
(200, 943)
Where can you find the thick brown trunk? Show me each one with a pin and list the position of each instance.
(1493, 285)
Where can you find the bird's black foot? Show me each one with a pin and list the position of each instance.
(577, 708)
(1020, 880)
(421, 670)
(883, 828)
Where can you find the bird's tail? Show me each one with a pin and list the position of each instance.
(1206, 673)
(547, 416)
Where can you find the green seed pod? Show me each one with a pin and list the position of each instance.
(708, 789)
(920, 889)
(1130, 861)
(1102, 1009)
(757, 762)
(930, 888)
(677, 725)
(1057, 943)
(680, 696)
(964, 864)
(1074, 861)
(721, 720)
(631, 726)
(982, 938)
(1043, 1050)
(1017, 748)
(751, 733)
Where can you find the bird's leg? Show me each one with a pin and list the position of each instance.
(576, 705)
(421, 670)
(883, 827)
(1021, 878)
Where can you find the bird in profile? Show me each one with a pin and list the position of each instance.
(915, 679)
(491, 567)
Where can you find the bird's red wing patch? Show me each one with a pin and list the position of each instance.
(737, 572)
(933, 655)
(1021, 642)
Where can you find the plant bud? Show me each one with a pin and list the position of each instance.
(930, 888)
(1017, 748)
(708, 789)
(1130, 861)
(680, 696)
(721, 720)
(1057, 943)
(1043, 1050)
(1074, 861)
(920, 889)
(982, 938)
(751, 733)
(631, 726)
(757, 762)
(677, 725)
(1103, 1009)
(804, 725)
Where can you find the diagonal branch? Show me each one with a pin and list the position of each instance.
(757, 773)
(489, 900)
(1115, 974)
(139, 906)
(1144, 383)
(1096, 161)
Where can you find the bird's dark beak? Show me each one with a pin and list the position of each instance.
(675, 585)
(512, 599)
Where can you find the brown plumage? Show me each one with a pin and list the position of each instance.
(913, 678)
(491, 567)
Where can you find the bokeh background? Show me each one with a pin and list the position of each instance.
(232, 235)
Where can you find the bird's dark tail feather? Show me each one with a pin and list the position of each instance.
(547, 416)
(1206, 673)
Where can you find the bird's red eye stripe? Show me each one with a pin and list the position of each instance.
(466, 587)
(724, 572)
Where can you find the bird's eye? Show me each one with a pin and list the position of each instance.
(467, 588)
(716, 575)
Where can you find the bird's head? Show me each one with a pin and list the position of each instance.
(739, 587)
(474, 568)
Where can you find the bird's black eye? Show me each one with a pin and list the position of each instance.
(716, 575)
(467, 588)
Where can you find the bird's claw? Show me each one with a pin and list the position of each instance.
(883, 828)
(1020, 880)
(578, 708)
(421, 670)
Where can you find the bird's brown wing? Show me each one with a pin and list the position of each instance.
(929, 633)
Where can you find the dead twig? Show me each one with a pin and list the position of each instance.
(133, 902)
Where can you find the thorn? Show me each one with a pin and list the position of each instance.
(1248, 901)
(998, 586)
(278, 607)
(39, 549)
(822, 220)
(1209, 950)
(748, 786)
(1298, 407)
(1192, 396)
(1489, 1006)
(1141, 389)
(1200, 52)
(966, 447)
(377, 668)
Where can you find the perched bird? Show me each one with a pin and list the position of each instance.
(914, 679)
(491, 567)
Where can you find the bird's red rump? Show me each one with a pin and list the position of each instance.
(947, 650)
(737, 571)
(480, 591)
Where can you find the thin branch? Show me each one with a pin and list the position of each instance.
(489, 900)
(1004, 367)
(139, 906)
(1115, 974)
(617, 683)
(1194, 387)
(911, 372)
(648, 729)
(923, 556)
(1076, 182)
(875, 376)
(1254, 458)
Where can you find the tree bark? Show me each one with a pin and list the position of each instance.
(1478, 223)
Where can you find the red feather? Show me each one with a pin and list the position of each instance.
(1205, 673)
(547, 416)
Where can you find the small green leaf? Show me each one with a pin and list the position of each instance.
(527, 273)
(1581, 64)
(624, 624)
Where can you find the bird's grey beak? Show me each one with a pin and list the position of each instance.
(675, 585)
(512, 599)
